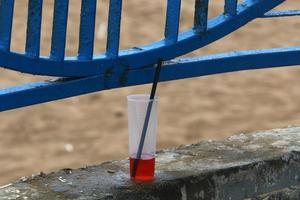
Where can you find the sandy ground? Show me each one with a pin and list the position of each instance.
(90, 129)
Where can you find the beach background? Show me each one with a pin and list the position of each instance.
(91, 129)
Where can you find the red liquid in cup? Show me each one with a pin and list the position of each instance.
(145, 169)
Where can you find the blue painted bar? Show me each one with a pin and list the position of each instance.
(46, 91)
(6, 19)
(201, 15)
(34, 22)
(87, 29)
(114, 25)
(285, 13)
(172, 21)
(59, 29)
(188, 41)
(230, 7)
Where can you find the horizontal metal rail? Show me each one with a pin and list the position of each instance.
(45, 91)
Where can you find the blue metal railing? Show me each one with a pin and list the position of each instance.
(172, 21)
(59, 30)
(57, 65)
(6, 18)
(115, 68)
(34, 22)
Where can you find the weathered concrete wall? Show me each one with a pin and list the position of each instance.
(261, 166)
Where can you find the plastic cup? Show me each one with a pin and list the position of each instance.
(137, 108)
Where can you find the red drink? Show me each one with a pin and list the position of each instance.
(145, 168)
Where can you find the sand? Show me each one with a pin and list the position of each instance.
(90, 129)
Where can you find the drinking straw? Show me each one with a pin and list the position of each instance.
(147, 117)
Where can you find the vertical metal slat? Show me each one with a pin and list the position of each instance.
(87, 29)
(231, 7)
(172, 21)
(59, 29)
(6, 19)
(33, 35)
(114, 23)
(201, 15)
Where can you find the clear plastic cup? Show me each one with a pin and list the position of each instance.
(137, 109)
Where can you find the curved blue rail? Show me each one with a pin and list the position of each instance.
(38, 92)
(203, 33)
(87, 73)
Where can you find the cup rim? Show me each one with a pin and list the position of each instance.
(140, 97)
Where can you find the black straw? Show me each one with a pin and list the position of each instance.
(147, 117)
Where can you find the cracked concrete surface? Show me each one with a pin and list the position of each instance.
(260, 165)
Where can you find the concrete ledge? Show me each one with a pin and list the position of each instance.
(262, 166)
